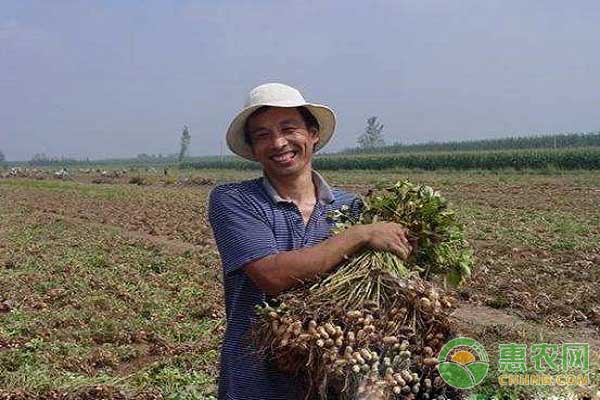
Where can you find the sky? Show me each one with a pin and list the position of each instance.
(104, 79)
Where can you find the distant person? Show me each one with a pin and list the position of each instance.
(272, 232)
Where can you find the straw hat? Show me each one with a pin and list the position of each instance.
(276, 95)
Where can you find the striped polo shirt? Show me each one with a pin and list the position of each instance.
(251, 221)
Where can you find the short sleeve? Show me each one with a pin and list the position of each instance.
(241, 233)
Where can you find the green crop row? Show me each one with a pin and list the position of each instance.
(560, 141)
(576, 158)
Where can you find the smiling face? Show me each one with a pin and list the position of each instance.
(281, 141)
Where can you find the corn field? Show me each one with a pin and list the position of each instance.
(567, 159)
(560, 141)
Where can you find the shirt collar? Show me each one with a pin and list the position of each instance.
(324, 192)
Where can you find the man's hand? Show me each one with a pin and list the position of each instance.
(388, 236)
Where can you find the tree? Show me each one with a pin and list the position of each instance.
(184, 143)
(2, 156)
(373, 136)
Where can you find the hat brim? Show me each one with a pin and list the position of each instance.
(235, 134)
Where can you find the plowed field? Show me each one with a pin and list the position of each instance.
(114, 290)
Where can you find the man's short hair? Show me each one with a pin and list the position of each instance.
(309, 120)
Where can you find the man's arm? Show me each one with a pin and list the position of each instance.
(281, 271)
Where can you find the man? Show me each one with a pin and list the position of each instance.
(272, 232)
